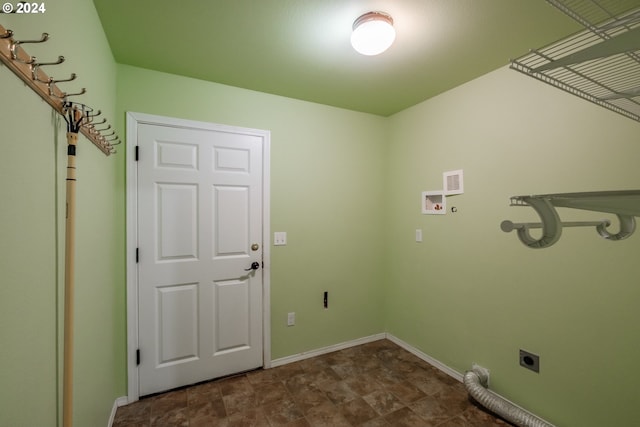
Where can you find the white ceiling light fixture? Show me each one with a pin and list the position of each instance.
(373, 33)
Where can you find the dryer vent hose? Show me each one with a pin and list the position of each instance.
(473, 382)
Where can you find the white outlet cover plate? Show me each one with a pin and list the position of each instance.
(280, 238)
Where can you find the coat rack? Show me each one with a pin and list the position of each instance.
(80, 119)
(30, 71)
(624, 204)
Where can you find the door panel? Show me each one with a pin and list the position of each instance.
(232, 305)
(199, 212)
(177, 308)
(177, 204)
(231, 205)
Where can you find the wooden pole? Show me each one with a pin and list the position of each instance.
(69, 279)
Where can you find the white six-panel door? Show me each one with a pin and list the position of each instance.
(200, 195)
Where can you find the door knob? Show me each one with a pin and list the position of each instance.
(254, 266)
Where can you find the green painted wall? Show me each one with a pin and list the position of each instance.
(471, 293)
(327, 180)
(32, 190)
(28, 259)
(346, 188)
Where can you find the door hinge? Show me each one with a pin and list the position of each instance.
(138, 357)
(137, 255)
(137, 152)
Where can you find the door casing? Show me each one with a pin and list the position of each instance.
(133, 119)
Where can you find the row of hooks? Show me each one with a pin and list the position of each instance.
(30, 70)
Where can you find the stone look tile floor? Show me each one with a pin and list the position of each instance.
(371, 385)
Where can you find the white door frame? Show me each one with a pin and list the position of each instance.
(132, 121)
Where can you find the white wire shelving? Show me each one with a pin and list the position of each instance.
(600, 63)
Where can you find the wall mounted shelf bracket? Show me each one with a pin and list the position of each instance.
(624, 204)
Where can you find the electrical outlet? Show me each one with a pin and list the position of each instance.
(280, 238)
(529, 360)
(291, 319)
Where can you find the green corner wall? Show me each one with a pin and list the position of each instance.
(471, 293)
(327, 180)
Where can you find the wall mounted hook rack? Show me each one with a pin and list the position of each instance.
(30, 71)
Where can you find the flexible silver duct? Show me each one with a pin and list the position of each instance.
(475, 381)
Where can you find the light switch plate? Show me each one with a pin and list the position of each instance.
(280, 238)
(418, 235)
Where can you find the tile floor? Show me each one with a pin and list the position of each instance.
(371, 385)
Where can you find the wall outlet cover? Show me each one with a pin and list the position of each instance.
(529, 360)
(280, 238)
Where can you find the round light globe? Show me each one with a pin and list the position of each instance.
(373, 33)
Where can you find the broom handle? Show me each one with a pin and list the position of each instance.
(70, 234)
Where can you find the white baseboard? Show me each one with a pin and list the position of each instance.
(324, 350)
(430, 360)
(313, 353)
(120, 401)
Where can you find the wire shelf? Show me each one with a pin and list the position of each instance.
(622, 202)
(600, 63)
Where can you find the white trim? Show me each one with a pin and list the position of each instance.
(430, 360)
(120, 401)
(133, 119)
(266, 250)
(341, 346)
(324, 350)
(132, 269)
